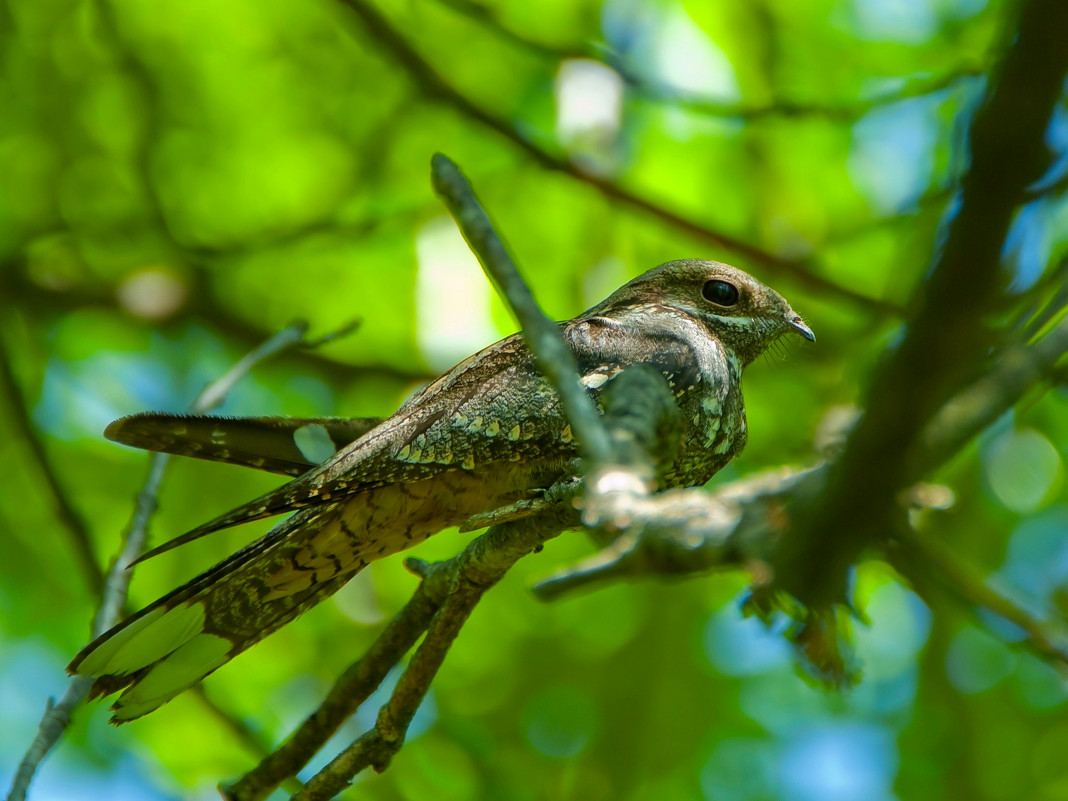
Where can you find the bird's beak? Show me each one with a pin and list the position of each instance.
(799, 326)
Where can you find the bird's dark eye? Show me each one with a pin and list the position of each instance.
(720, 292)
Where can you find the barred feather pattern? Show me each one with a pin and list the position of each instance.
(484, 435)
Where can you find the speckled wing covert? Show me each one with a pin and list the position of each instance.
(483, 435)
(493, 407)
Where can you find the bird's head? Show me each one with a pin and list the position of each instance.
(742, 313)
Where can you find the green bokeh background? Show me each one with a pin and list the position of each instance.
(180, 179)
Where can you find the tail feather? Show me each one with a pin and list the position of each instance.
(184, 636)
(168, 677)
(284, 445)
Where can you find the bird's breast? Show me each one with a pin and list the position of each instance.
(712, 418)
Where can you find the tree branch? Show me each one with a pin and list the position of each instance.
(352, 688)
(542, 335)
(450, 590)
(948, 336)
(1018, 369)
(477, 568)
(927, 563)
(686, 532)
(846, 111)
(384, 35)
(201, 307)
(689, 531)
(57, 716)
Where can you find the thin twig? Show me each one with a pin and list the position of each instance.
(924, 561)
(542, 335)
(352, 688)
(435, 87)
(470, 574)
(57, 717)
(846, 111)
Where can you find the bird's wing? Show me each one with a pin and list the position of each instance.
(285, 445)
(494, 407)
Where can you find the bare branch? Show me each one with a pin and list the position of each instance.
(542, 335)
(846, 111)
(688, 531)
(352, 688)
(477, 568)
(384, 35)
(948, 335)
(927, 563)
(57, 717)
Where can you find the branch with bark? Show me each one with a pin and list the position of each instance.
(950, 332)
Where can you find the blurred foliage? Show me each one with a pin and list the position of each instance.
(178, 180)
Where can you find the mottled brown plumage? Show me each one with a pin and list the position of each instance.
(487, 433)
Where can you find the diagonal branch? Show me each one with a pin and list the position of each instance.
(542, 335)
(57, 716)
(435, 87)
(973, 409)
(927, 563)
(469, 575)
(949, 335)
(450, 590)
(352, 688)
(846, 111)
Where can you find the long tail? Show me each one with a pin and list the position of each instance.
(185, 635)
(287, 445)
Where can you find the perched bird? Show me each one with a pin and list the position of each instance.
(485, 434)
